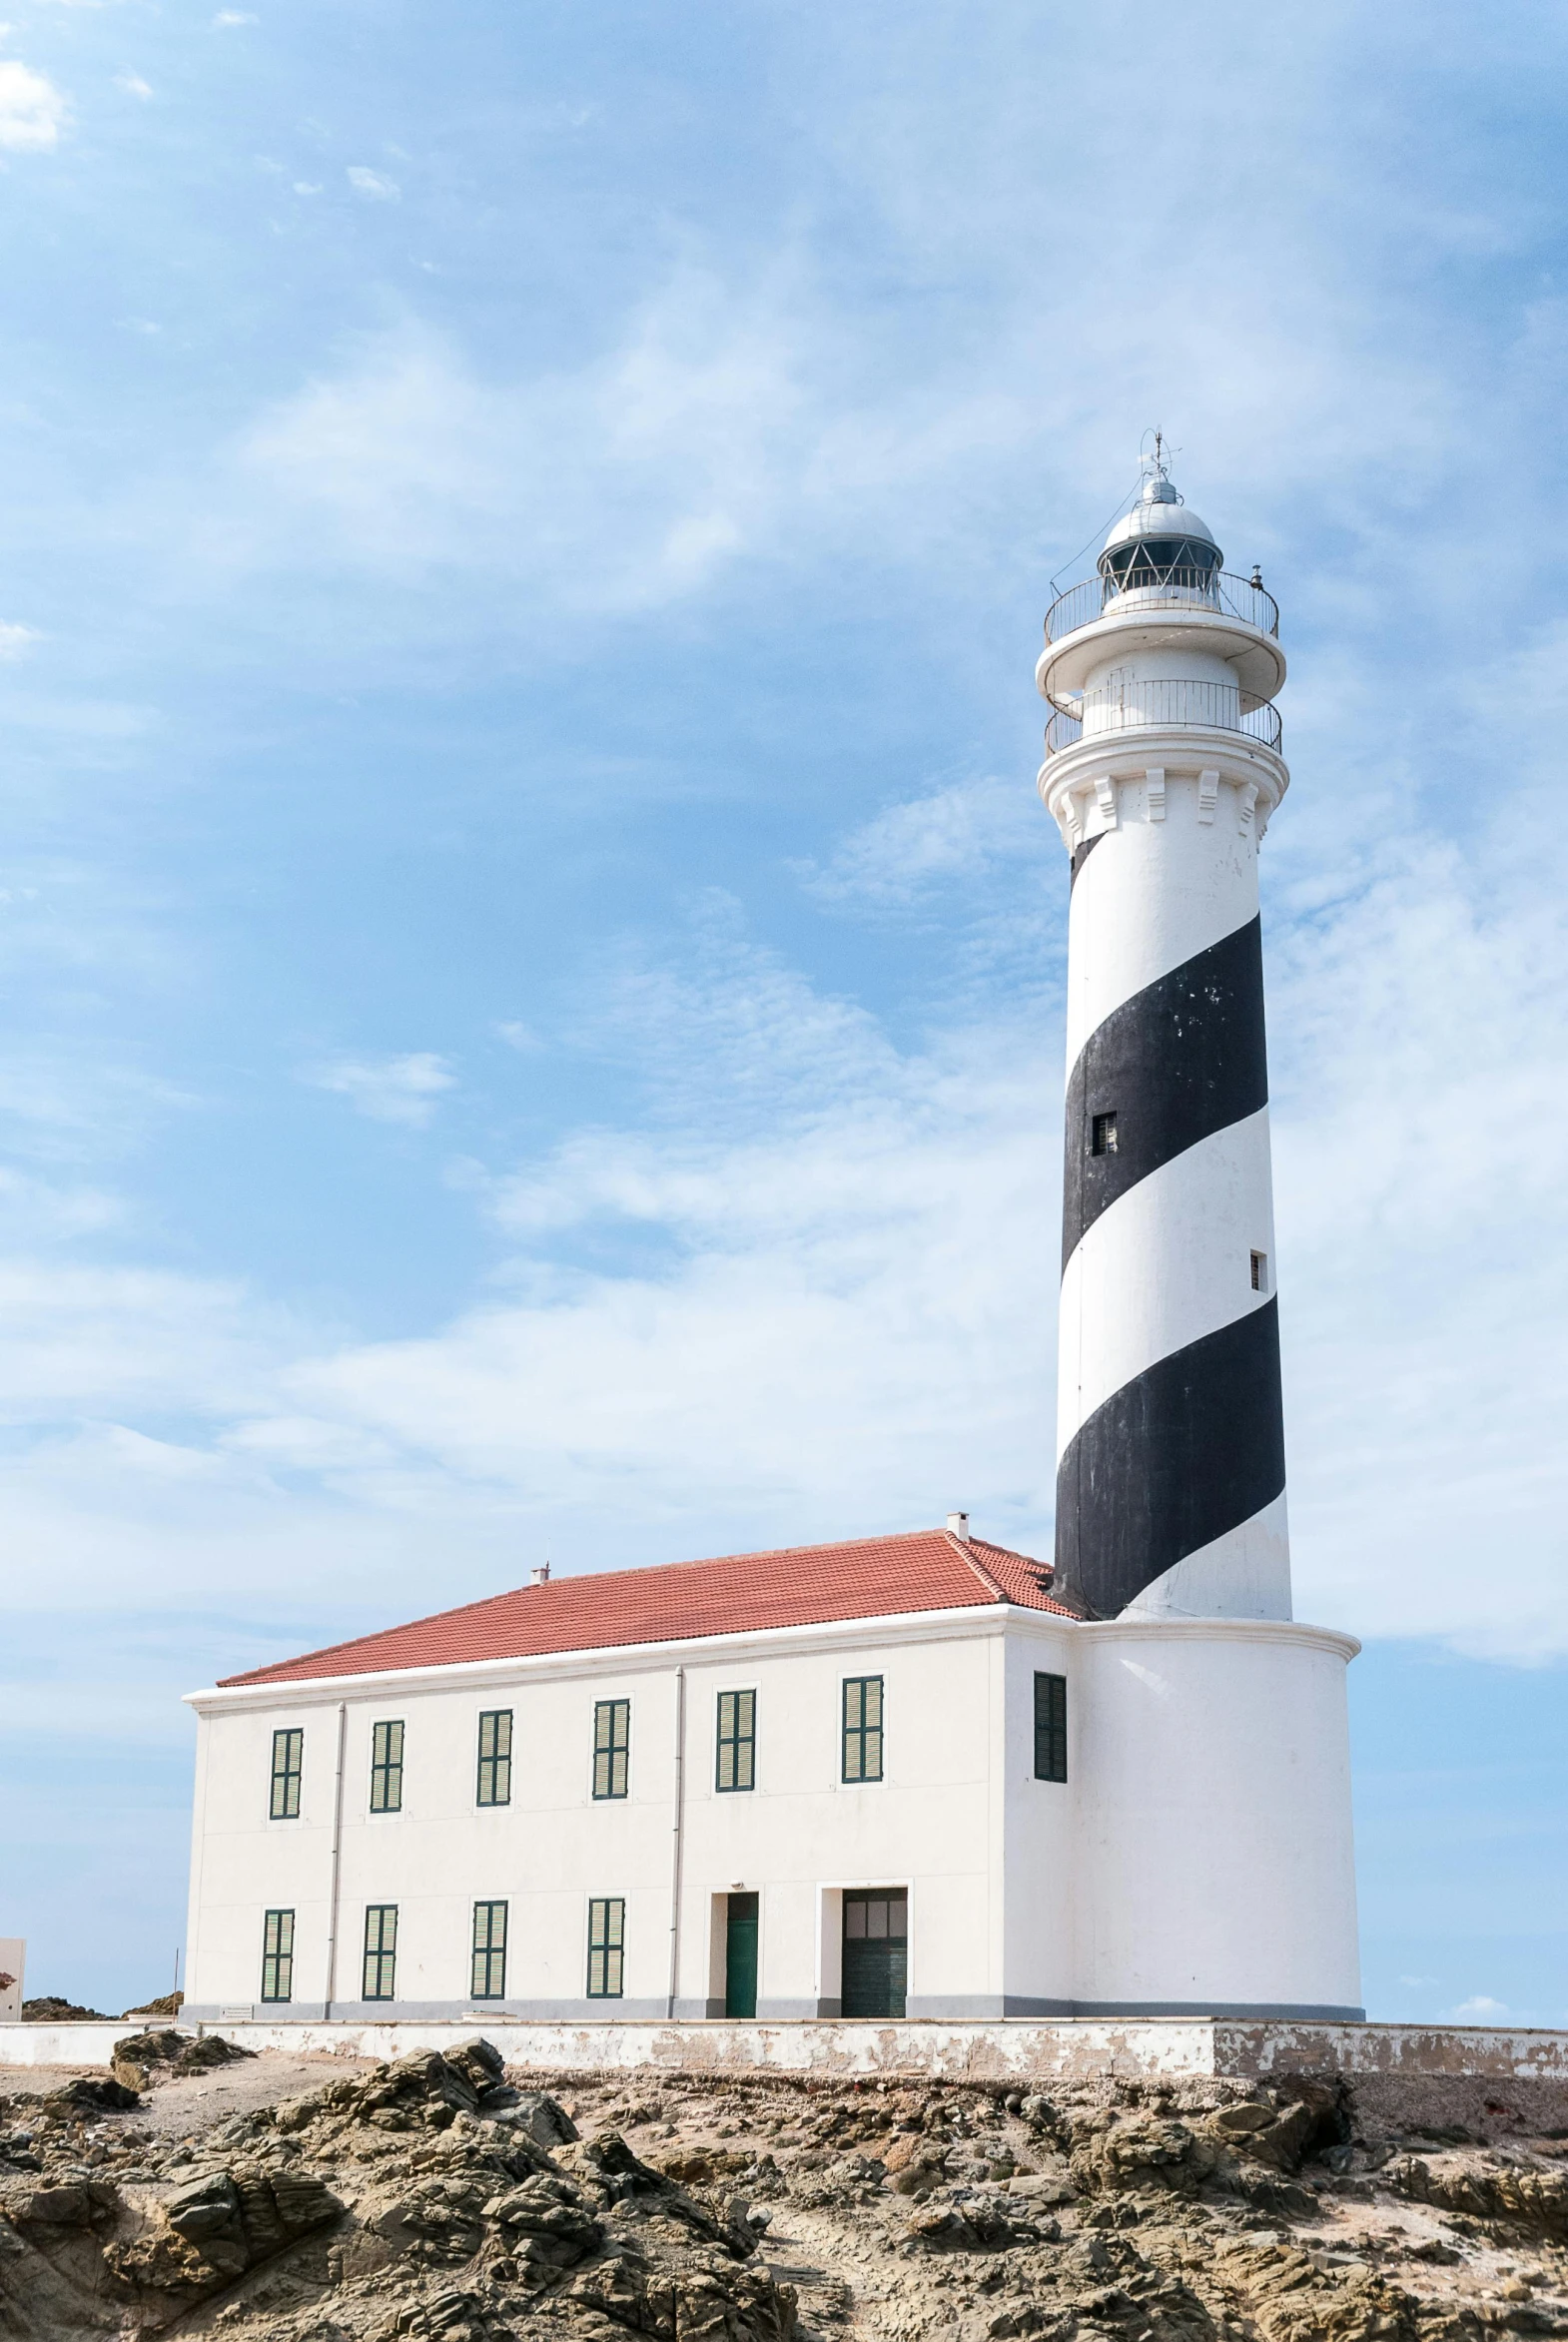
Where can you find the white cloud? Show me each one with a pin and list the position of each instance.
(307, 187)
(16, 640)
(389, 1089)
(32, 111)
(133, 84)
(1415, 1982)
(1480, 2008)
(234, 16)
(929, 845)
(373, 184)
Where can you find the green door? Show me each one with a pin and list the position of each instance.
(740, 1957)
(876, 1950)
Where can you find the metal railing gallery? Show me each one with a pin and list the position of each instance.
(1165, 699)
(1145, 588)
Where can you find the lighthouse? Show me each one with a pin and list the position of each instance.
(1215, 1858)
(1163, 768)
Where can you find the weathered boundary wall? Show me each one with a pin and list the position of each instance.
(1014, 2049)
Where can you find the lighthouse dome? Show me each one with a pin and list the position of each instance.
(1160, 543)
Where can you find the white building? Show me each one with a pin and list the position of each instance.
(917, 1775)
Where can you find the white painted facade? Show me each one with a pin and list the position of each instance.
(1191, 1861)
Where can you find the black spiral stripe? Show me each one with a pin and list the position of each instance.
(1182, 1059)
(1194, 1447)
(1174, 1459)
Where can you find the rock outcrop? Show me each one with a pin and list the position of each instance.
(439, 2196)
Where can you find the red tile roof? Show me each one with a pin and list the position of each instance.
(801, 1585)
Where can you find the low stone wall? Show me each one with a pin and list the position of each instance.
(1012, 2049)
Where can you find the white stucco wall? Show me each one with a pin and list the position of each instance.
(1199, 1857)
(933, 1824)
(1215, 1858)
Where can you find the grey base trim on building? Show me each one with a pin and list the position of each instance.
(1264, 2012)
(949, 2009)
(397, 2011)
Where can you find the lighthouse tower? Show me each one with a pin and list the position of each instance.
(1218, 1872)
(1163, 767)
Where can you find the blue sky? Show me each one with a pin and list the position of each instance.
(534, 961)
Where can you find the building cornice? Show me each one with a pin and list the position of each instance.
(1289, 1631)
(1116, 776)
(906, 1627)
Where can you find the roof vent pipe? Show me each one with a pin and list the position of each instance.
(540, 1576)
(958, 1525)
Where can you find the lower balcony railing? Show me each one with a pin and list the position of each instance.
(1165, 700)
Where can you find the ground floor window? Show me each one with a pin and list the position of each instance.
(876, 1950)
(278, 1956)
(380, 1951)
(489, 1951)
(606, 1946)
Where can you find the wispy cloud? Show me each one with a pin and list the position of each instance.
(391, 1088)
(32, 111)
(133, 84)
(373, 184)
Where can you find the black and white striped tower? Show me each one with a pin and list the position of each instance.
(1163, 767)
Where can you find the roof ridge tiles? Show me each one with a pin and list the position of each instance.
(906, 1571)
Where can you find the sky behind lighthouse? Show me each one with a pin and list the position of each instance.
(533, 960)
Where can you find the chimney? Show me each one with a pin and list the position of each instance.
(958, 1525)
(540, 1576)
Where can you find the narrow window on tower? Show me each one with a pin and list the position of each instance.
(1102, 1134)
(1259, 1273)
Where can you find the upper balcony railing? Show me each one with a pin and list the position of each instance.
(1184, 589)
(1165, 700)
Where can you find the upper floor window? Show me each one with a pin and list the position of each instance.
(737, 1752)
(385, 1768)
(288, 1767)
(488, 1980)
(1102, 1134)
(606, 1946)
(381, 1950)
(611, 1747)
(495, 1758)
(1051, 1727)
(278, 1956)
(863, 1727)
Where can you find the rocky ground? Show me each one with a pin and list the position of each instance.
(312, 2200)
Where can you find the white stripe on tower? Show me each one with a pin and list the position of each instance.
(1170, 1453)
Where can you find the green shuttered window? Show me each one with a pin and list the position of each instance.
(385, 1768)
(488, 1981)
(863, 1727)
(606, 1946)
(380, 1951)
(611, 1747)
(288, 1766)
(737, 1768)
(495, 1758)
(278, 1956)
(1051, 1727)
